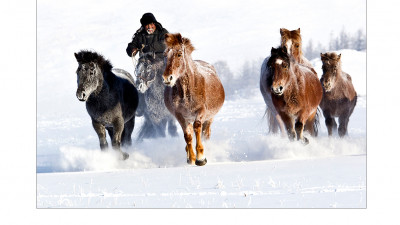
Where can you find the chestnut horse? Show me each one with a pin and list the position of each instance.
(296, 94)
(293, 43)
(194, 93)
(339, 98)
(291, 39)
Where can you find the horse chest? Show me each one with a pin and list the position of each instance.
(103, 113)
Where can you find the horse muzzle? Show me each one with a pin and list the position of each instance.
(327, 87)
(169, 80)
(82, 96)
(142, 88)
(277, 90)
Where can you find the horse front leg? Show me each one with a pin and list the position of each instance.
(330, 123)
(118, 126)
(289, 125)
(187, 129)
(299, 127)
(343, 122)
(198, 125)
(200, 158)
(101, 133)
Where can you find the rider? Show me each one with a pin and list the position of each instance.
(148, 38)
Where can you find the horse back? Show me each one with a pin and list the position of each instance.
(127, 94)
(313, 91)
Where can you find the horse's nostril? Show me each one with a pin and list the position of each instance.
(280, 88)
(170, 78)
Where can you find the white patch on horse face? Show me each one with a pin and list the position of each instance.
(289, 45)
(170, 80)
(279, 61)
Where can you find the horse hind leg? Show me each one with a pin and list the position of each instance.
(172, 129)
(330, 125)
(206, 129)
(118, 126)
(127, 132)
(312, 125)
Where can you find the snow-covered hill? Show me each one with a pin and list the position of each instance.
(247, 168)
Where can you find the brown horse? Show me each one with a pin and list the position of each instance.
(291, 39)
(293, 43)
(296, 94)
(194, 93)
(339, 98)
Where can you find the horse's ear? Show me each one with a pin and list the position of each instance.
(340, 55)
(298, 30)
(282, 31)
(169, 39)
(179, 38)
(273, 50)
(76, 56)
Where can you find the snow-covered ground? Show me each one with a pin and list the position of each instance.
(247, 168)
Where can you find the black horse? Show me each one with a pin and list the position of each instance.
(151, 88)
(111, 100)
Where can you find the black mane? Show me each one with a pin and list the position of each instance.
(86, 56)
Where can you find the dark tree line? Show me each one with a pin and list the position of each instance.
(247, 78)
(344, 40)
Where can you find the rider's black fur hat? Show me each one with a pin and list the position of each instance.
(147, 18)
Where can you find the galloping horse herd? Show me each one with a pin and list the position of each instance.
(190, 90)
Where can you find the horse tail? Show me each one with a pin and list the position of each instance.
(272, 122)
(316, 122)
(123, 74)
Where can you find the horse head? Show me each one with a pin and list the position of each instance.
(177, 53)
(279, 63)
(146, 70)
(330, 66)
(292, 41)
(89, 78)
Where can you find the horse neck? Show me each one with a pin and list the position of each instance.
(104, 79)
(188, 78)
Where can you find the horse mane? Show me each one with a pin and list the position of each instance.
(86, 56)
(176, 40)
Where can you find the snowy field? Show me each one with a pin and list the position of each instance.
(247, 167)
(248, 170)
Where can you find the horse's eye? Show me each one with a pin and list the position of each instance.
(297, 45)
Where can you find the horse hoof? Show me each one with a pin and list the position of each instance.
(201, 162)
(305, 141)
(125, 155)
(189, 162)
